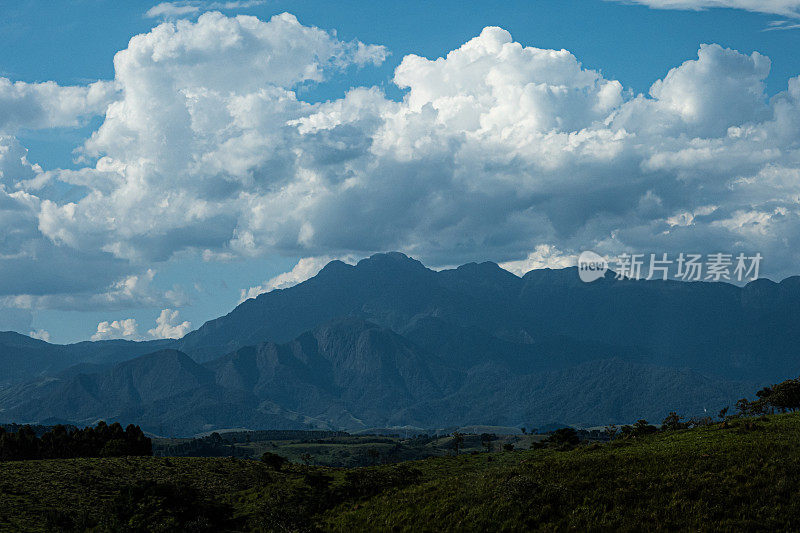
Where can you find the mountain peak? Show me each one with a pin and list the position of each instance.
(334, 267)
(12, 338)
(390, 261)
(487, 268)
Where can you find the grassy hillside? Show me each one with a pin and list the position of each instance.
(743, 476)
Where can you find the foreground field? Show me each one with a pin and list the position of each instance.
(338, 451)
(745, 476)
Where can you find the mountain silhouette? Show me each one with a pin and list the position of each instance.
(390, 342)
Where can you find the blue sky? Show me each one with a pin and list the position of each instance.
(74, 43)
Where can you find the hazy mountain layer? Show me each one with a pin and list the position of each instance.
(389, 342)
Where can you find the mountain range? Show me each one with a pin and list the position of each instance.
(388, 342)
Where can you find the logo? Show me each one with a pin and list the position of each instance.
(591, 266)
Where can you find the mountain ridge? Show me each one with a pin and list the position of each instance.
(390, 342)
(352, 374)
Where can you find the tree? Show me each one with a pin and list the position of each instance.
(306, 458)
(764, 393)
(744, 406)
(486, 440)
(114, 448)
(458, 439)
(138, 443)
(673, 422)
(642, 427)
(62, 443)
(153, 506)
(763, 398)
(373, 455)
(785, 395)
(567, 436)
(524, 431)
(273, 460)
(508, 447)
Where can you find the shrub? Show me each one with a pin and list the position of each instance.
(273, 460)
(642, 427)
(366, 482)
(564, 436)
(152, 506)
(673, 422)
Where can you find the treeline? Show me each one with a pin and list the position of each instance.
(785, 396)
(37, 428)
(225, 445)
(782, 397)
(214, 445)
(281, 434)
(62, 442)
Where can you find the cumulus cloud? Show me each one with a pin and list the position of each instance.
(306, 268)
(31, 265)
(15, 169)
(788, 8)
(544, 256)
(118, 329)
(135, 290)
(513, 152)
(703, 97)
(201, 135)
(49, 105)
(496, 146)
(169, 327)
(40, 334)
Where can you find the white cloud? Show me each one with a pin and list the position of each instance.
(306, 267)
(544, 256)
(200, 136)
(703, 97)
(172, 9)
(516, 153)
(118, 329)
(788, 8)
(40, 334)
(781, 25)
(169, 327)
(31, 265)
(191, 7)
(496, 147)
(49, 105)
(15, 169)
(135, 290)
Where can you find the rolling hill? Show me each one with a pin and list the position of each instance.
(740, 476)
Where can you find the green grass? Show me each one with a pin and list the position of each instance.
(701, 479)
(712, 478)
(27, 488)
